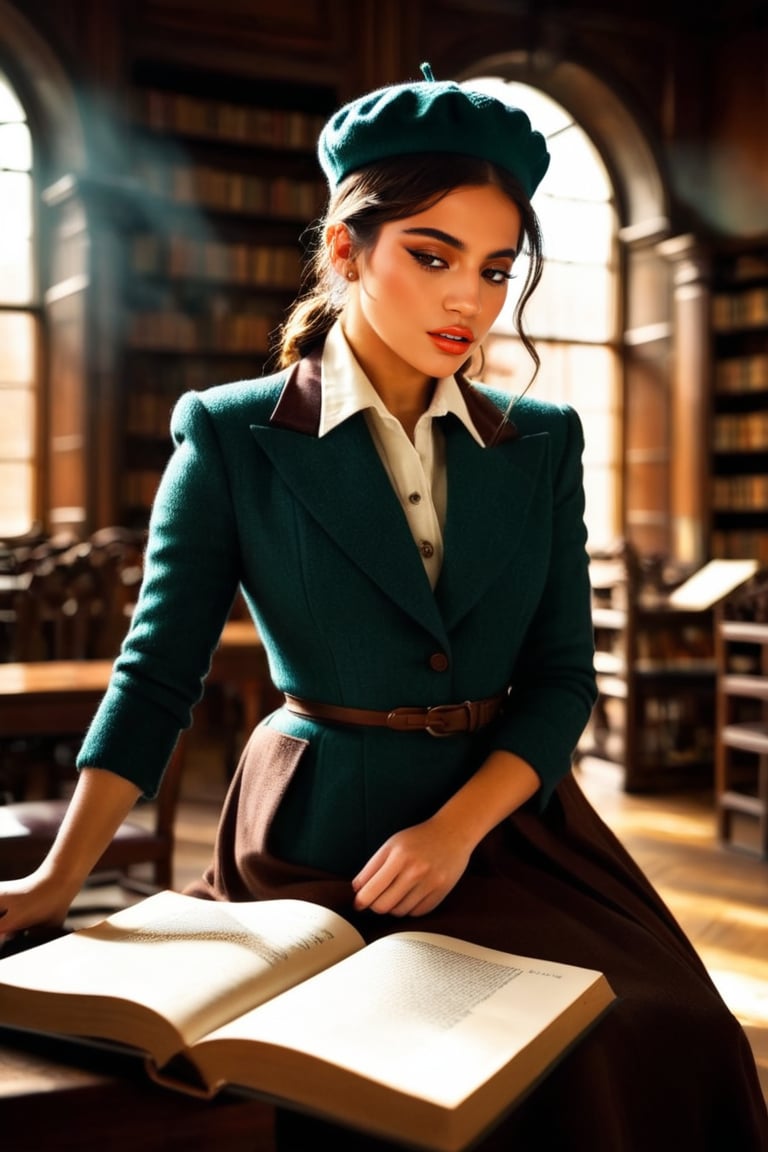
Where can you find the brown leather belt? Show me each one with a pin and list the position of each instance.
(440, 720)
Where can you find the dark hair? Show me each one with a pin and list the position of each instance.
(375, 195)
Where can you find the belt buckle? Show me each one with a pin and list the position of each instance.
(445, 710)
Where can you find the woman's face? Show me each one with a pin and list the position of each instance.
(432, 286)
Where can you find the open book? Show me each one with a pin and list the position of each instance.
(418, 1038)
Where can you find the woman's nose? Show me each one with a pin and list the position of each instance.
(463, 296)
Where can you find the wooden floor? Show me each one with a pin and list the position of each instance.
(719, 896)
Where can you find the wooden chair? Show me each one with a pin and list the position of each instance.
(73, 599)
(57, 615)
(15, 554)
(116, 560)
(139, 859)
(76, 606)
(74, 602)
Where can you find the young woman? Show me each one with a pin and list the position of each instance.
(412, 548)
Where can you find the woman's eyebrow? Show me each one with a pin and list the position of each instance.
(454, 242)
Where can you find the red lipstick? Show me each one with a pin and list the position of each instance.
(452, 339)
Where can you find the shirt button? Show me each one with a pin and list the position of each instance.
(438, 662)
(414, 498)
(426, 549)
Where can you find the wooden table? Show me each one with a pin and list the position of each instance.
(57, 1095)
(59, 697)
(11, 584)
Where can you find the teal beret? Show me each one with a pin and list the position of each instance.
(432, 116)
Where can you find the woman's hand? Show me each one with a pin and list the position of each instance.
(412, 871)
(416, 868)
(33, 901)
(99, 804)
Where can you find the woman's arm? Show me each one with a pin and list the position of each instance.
(190, 580)
(416, 868)
(99, 804)
(553, 685)
(191, 575)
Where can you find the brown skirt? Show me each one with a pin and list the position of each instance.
(668, 1069)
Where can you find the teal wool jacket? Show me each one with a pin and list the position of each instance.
(312, 531)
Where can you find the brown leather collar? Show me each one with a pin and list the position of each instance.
(298, 407)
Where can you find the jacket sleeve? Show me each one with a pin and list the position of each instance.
(554, 687)
(191, 574)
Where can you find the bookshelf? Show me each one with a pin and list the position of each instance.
(655, 668)
(739, 429)
(226, 184)
(742, 719)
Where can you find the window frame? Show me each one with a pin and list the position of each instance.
(646, 299)
(26, 518)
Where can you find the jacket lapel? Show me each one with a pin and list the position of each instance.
(342, 483)
(489, 494)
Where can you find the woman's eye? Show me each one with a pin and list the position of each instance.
(427, 259)
(499, 275)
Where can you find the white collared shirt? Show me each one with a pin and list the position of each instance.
(416, 470)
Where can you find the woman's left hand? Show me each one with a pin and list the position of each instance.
(416, 868)
(412, 871)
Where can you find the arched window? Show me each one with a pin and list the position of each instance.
(574, 315)
(19, 319)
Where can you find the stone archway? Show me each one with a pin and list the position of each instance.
(664, 406)
(627, 151)
(46, 91)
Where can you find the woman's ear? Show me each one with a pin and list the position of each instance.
(339, 244)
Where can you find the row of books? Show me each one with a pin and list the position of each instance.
(139, 487)
(176, 374)
(156, 386)
(736, 544)
(172, 330)
(750, 266)
(225, 191)
(673, 646)
(747, 309)
(148, 412)
(736, 432)
(742, 373)
(186, 114)
(180, 256)
(740, 493)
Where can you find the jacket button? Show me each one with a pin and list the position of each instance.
(438, 662)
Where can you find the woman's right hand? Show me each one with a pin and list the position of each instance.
(37, 900)
(99, 804)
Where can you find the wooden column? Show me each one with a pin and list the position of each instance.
(689, 400)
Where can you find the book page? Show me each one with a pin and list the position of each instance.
(712, 583)
(422, 1013)
(195, 963)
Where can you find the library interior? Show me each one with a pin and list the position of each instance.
(159, 183)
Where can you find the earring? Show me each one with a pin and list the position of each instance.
(351, 275)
